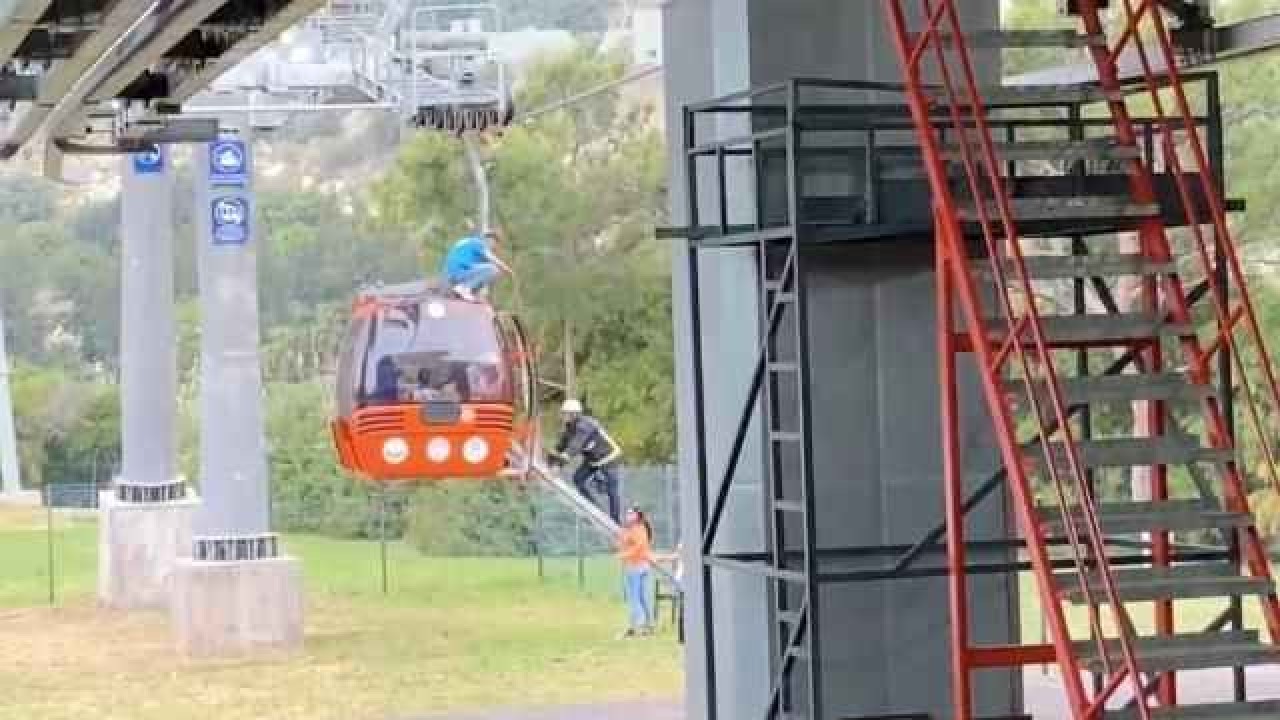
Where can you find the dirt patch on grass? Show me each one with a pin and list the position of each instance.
(361, 661)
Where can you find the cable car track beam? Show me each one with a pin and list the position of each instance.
(481, 179)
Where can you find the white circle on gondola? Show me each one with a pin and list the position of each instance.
(475, 450)
(395, 450)
(435, 310)
(438, 449)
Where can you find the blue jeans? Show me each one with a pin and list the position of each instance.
(606, 480)
(474, 277)
(637, 593)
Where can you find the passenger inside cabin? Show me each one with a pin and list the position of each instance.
(386, 386)
(436, 385)
(485, 380)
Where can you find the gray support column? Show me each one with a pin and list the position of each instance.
(706, 47)
(233, 461)
(148, 348)
(145, 522)
(238, 593)
(10, 475)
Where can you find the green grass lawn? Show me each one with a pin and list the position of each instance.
(450, 634)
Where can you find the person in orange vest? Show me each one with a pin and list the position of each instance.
(635, 549)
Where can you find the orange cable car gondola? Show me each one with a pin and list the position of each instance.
(432, 387)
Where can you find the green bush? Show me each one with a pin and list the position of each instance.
(1266, 511)
(309, 490)
(466, 517)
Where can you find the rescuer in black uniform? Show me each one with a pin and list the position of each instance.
(584, 435)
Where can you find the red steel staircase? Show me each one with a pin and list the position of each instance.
(996, 256)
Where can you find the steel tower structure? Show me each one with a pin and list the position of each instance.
(1087, 278)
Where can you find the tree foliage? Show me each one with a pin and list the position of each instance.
(465, 517)
(579, 192)
(68, 427)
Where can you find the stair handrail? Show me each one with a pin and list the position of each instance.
(912, 55)
(1227, 319)
(1169, 77)
(584, 508)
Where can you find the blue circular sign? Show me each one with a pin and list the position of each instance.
(230, 221)
(227, 160)
(148, 162)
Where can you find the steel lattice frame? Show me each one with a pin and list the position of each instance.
(803, 567)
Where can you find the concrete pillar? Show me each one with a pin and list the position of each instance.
(877, 459)
(10, 475)
(145, 521)
(233, 460)
(706, 50)
(237, 593)
(148, 351)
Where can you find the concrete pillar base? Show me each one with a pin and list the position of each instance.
(229, 609)
(138, 545)
(22, 498)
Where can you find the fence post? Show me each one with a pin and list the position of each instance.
(533, 497)
(48, 514)
(577, 541)
(673, 488)
(382, 535)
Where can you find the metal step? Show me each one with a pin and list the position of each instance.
(1132, 452)
(1010, 96)
(1095, 389)
(1127, 518)
(1062, 267)
(1192, 651)
(1112, 329)
(1084, 207)
(1052, 150)
(1213, 711)
(1182, 582)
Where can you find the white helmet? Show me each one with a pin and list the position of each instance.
(571, 407)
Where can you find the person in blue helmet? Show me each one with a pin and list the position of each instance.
(471, 265)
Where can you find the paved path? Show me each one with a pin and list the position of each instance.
(1044, 692)
(669, 710)
(1043, 695)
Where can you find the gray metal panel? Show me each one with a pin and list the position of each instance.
(877, 441)
(878, 468)
(850, 499)
(233, 464)
(148, 347)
